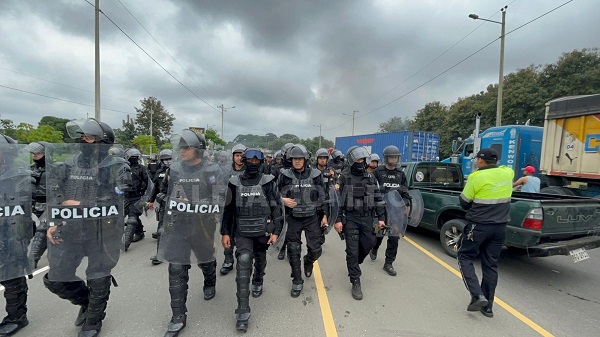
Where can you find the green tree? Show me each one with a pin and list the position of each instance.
(211, 134)
(126, 134)
(8, 128)
(45, 133)
(58, 124)
(162, 120)
(395, 124)
(146, 143)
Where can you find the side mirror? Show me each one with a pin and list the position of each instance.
(454, 146)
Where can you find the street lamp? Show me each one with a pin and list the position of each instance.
(501, 75)
(353, 113)
(222, 118)
(320, 137)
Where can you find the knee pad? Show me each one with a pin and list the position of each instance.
(178, 269)
(294, 248)
(244, 261)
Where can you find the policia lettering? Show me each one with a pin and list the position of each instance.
(192, 208)
(83, 212)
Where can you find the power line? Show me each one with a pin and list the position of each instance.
(432, 61)
(452, 67)
(152, 58)
(165, 50)
(66, 85)
(60, 99)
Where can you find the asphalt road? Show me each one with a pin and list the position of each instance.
(537, 296)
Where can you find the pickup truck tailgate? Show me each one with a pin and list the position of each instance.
(569, 217)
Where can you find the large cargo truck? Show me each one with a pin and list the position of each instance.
(570, 158)
(413, 145)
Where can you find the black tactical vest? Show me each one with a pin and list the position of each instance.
(305, 192)
(389, 180)
(252, 207)
(360, 192)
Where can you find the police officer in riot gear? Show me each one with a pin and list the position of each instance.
(266, 166)
(222, 160)
(193, 191)
(390, 178)
(165, 158)
(38, 173)
(15, 235)
(373, 162)
(277, 164)
(254, 215)
(304, 195)
(321, 164)
(134, 230)
(237, 168)
(286, 163)
(90, 179)
(153, 166)
(360, 204)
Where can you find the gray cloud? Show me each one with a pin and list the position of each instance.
(285, 65)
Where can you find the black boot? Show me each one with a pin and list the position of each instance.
(99, 289)
(242, 279)
(308, 266)
(260, 264)
(128, 233)
(356, 290)
(209, 270)
(75, 292)
(294, 250)
(15, 293)
(228, 263)
(281, 254)
(178, 289)
(39, 243)
(389, 269)
(154, 258)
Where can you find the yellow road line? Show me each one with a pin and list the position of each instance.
(328, 322)
(500, 302)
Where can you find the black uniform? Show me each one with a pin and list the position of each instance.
(153, 167)
(390, 180)
(159, 177)
(139, 175)
(307, 189)
(252, 215)
(228, 252)
(39, 242)
(360, 203)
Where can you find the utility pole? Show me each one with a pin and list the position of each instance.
(151, 115)
(353, 114)
(501, 77)
(320, 137)
(223, 109)
(97, 57)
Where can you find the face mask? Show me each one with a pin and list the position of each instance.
(134, 160)
(252, 169)
(358, 168)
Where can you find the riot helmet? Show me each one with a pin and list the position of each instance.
(153, 157)
(389, 153)
(278, 155)
(355, 153)
(321, 153)
(100, 132)
(337, 155)
(165, 154)
(189, 139)
(238, 148)
(298, 151)
(44, 148)
(132, 156)
(116, 150)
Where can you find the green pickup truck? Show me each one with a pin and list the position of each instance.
(540, 224)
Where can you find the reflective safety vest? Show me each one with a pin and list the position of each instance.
(490, 190)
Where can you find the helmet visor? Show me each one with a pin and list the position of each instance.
(84, 127)
(359, 152)
(254, 154)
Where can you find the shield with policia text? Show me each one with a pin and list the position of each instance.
(16, 224)
(85, 211)
(396, 214)
(193, 211)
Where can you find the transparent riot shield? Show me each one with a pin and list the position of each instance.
(16, 224)
(193, 211)
(396, 214)
(416, 208)
(334, 209)
(85, 211)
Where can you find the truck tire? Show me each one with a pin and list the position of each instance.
(450, 234)
(557, 190)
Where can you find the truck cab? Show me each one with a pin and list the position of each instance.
(518, 146)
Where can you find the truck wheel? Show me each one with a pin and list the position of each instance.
(557, 190)
(450, 234)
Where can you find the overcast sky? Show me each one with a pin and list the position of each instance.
(285, 65)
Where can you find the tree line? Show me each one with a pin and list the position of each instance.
(525, 93)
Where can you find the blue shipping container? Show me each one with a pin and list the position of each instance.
(413, 145)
